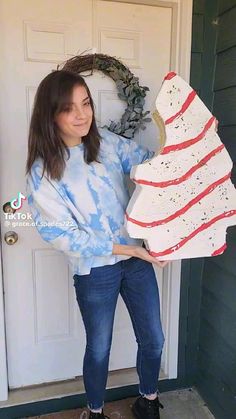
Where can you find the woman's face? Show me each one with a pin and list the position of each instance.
(75, 120)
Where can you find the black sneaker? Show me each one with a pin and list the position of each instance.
(146, 409)
(94, 415)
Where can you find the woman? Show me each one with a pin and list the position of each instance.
(77, 194)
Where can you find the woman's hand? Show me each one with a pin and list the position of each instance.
(138, 252)
(143, 254)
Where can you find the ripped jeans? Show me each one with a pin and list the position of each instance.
(97, 294)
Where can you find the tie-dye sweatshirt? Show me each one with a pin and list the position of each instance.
(83, 214)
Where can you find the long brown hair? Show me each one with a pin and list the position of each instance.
(44, 141)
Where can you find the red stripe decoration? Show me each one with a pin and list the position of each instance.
(203, 227)
(220, 250)
(176, 181)
(185, 106)
(181, 211)
(170, 75)
(188, 143)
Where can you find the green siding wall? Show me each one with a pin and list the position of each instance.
(216, 355)
(197, 44)
(224, 105)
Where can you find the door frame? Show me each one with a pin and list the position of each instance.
(3, 351)
(180, 62)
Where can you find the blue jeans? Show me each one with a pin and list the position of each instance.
(97, 294)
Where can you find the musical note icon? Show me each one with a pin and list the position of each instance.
(17, 203)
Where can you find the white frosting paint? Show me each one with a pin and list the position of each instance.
(149, 203)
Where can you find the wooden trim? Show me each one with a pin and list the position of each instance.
(171, 301)
(159, 3)
(185, 22)
(3, 356)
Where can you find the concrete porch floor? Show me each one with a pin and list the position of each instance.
(179, 404)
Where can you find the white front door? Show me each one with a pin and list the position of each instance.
(44, 332)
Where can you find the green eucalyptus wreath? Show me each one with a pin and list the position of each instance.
(127, 85)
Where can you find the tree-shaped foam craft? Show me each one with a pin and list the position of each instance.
(184, 199)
